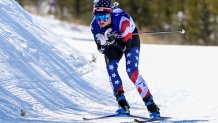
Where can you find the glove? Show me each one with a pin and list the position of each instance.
(101, 39)
(110, 37)
(106, 39)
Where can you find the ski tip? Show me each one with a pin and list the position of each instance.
(136, 120)
(152, 119)
(84, 118)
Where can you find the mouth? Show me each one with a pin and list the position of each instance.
(101, 23)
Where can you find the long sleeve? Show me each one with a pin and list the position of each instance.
(126, 32)
(95, 31)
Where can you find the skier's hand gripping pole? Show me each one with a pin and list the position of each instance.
(111, 40)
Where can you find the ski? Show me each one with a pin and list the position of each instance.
(116, 115)
(151, 119)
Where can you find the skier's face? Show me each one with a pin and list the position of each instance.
(103, 20)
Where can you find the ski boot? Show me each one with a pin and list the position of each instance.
(152, 107)
(122, 104)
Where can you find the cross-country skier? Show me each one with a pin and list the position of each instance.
(108, 21)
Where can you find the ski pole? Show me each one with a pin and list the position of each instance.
(182, 31)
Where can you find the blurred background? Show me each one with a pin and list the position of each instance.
(198, 17)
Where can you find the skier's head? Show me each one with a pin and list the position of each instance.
(102, 6)
(101, 12)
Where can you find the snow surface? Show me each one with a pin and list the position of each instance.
(47, 71)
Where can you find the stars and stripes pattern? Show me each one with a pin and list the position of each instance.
(132, 60)
(102, 3)
(102, 6)
(114, 77)
(127, 26)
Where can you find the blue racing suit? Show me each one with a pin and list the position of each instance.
(124, 25)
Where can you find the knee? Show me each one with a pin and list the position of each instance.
(133, 76)
(132, 70)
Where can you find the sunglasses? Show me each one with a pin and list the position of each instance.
(103, 17)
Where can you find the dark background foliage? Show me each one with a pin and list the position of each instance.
(198, 17)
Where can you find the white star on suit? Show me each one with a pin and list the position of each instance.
(128, 54)
(128, 70)
(137, 58)
(114, 75)
(111, 67)
(117, 82)
(128, 62)
(137, 51)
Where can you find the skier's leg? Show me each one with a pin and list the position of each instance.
(114, 77)
(112, 59)
(132, 60)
